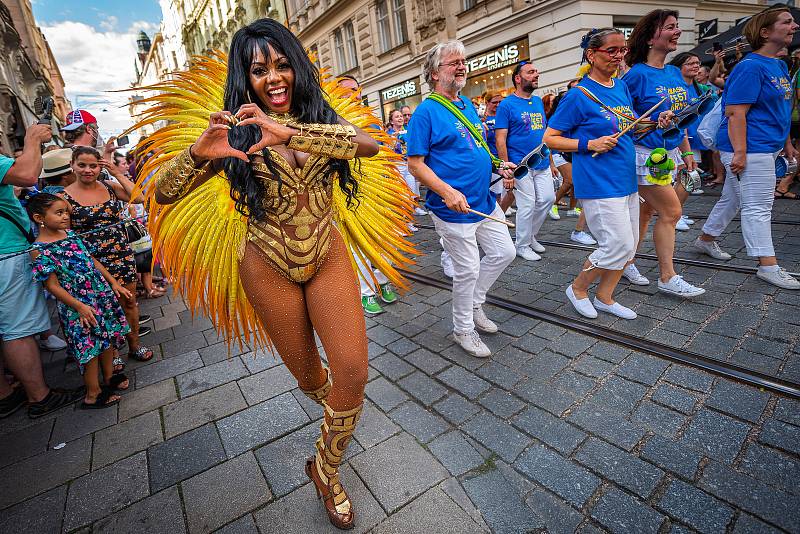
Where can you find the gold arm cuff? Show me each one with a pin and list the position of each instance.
(326, 130)
(178, 175)
(324, 146)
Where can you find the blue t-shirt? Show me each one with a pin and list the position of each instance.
(525, 121)
(452, 153)
(694, 140)
(648, 85)
(609, 175)
(763, 83)
(489, 134)
(11, 239)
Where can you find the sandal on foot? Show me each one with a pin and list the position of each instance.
(57, 398)
(119, 365)
(102, 400)
(786, 195)
(115, 381)
(142, 354)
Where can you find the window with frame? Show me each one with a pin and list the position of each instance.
(350, 42)
(469, 4)
(384, 28)
(400, 27)
(338, 46)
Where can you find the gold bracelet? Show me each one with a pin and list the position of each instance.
(177, 176)
(324, 146)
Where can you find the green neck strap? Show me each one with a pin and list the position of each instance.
(444, 101)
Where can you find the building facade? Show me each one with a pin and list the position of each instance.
(27, 70)
(383, 42)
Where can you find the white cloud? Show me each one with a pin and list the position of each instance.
(94, 63)
(109, 23)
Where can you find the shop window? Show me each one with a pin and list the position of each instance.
(384, 29)
(400, 27)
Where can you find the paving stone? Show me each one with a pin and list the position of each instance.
(501, 506)
(168, 368)
(456, 408)
(497, 435)
(423, 388)
(455, 453)
(221, 352)
(614, 464)
(432, 512)
(202, 408)
(159, 513)
(689, 378)
(561, 476)
(210, 376)
(398, 470)
(402, 346)
(545, 396)
(772, 467)
(464, 382)
(642, 368)
(501, 403)
(571, 345)
(559, 517)
(781, 436)
(282, 515)
(676, 398)
(239, 480)
(716, 435)
(25, 442)
(608, 425)
(744, 402)
(427, 361)
(573, 382)
(145, 399)
(619, 394)
(36, 474)
(549, 429)
(593, 366)
(124, 439)
(267, 384)
(747, 524)
(453, 489)
(609, 352)
(672, 456)
(418, 422)
(658, 419)
(619, 512)
(260, 360)
(244, 525)
(106, 490)
(184, 342)
(391, 366)
(695, 508)
(184, 456)
(788, 410)
(261, 423)
(384, 394)
(73, 424)
(382, 335)
(712, 345)
(39, 515)
(499, 374)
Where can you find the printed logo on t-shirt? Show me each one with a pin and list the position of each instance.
(678, 96)
(619, 123)
(533, 121)
(782, 85)
(462, 130)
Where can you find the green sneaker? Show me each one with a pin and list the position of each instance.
(370, 305)
(554, 213)
(387, 293)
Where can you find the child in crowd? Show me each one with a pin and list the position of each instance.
(91, 317)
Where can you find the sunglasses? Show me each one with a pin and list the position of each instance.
(532, 160)
(700, 106)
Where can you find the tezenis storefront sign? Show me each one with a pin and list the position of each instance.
(508, 54)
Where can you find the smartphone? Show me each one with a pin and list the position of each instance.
(122, 141)
(716, 46)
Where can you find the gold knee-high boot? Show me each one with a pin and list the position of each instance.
(336, 430)
(321, 393)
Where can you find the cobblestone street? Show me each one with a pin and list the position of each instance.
(556, 432)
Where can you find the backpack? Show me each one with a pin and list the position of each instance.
(709, 126)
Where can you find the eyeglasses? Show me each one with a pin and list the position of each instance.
(406, 114)
(614, 50)
(457, 63)
(692, 64)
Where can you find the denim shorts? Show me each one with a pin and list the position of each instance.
(23, 310)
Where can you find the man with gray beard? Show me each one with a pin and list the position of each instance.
(447, 153)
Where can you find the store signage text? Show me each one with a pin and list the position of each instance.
(398, 92)
(500, 57)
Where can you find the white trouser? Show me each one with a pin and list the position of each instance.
(411, 182)
(535, 196)
(753, 193)
(364, 277)
(615, 225)
(473, 276)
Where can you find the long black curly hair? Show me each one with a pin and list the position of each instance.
(308, 105)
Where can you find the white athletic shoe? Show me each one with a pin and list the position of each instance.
(779, 278)
(510, 211)
(697, 192)
(681, 225)
(472, 343)
(536, 246)
(554, 213)
(447, 264)
(632, 274)
(52, 343)
(483, 323)
(420, 211)
(527, 253)
(582, 306)
(412, 228)
(582, 237)
(712, 249)
(574, 213)
(615, 309)
(679, 287)
(687, 220)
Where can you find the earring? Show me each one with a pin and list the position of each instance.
(41, 224)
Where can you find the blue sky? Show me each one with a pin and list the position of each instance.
(96, 13)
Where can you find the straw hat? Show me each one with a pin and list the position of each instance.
(56, 162)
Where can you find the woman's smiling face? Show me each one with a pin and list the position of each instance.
(272, 80)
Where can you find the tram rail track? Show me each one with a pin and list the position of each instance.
(660, 350)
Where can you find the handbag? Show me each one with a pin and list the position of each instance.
(134, 230)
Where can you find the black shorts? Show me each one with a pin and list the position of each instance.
(794, 131)
(144, 262)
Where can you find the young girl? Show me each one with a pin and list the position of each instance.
(92, 318)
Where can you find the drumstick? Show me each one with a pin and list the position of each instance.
(509, 224)
(634, 123)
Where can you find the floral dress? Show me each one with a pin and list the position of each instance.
(73, 266)
(109, 245)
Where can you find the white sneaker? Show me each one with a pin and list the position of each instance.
(52, 343)
(615, 309)
(582, 306)
(412, 228)
(527, 253)
(447, 264)
(697, 192)
(632, 274)
(483, 323)
(554, 213)
(687, 220)
(679, 287)
(779, 278)
(711, 248)
(574, 213)
(510, 211)
(420, 211)
(536, 246)
(681, 225)
(472, 343)
(582, 237)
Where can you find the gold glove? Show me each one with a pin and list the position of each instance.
(177, 176)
